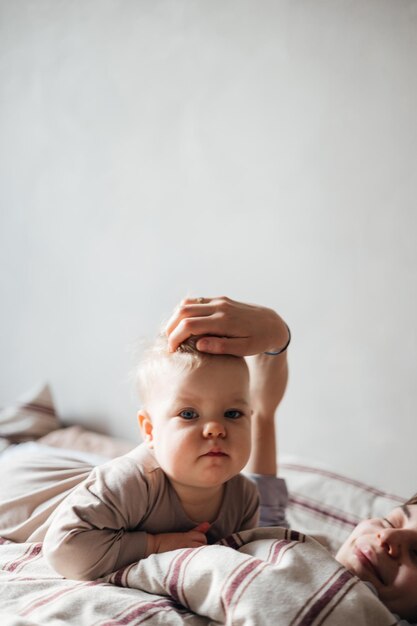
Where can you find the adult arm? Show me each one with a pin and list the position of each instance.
(250, 496)
(268, 382)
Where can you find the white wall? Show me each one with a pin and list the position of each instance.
(265, 150)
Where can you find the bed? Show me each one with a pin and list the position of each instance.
(262, 576)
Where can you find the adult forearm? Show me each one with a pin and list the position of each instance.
(269, 377)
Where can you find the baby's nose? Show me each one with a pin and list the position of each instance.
(213, 430)
(390, 540)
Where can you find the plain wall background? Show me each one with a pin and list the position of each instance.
(262, 150)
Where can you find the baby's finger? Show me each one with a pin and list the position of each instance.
(203, 527)
(198, 539)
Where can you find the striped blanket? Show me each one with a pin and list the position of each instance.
(255, 578)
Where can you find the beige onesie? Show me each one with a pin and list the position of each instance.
(102, 525)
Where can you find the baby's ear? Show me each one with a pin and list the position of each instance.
(146, 427)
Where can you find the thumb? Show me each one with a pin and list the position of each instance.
(203, 527)
(237, 346)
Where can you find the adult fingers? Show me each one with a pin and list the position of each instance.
(199, 300)
(185, 310)
(206, 325)
(237, 346)
(197, 307)
(226, 327)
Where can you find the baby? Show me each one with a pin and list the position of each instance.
(181, 487)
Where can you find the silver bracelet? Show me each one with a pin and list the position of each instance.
(273, 353)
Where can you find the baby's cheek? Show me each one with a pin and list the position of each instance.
(244, 450)
(175, 445)
(367, 526)
(246, 438)
(169, 459)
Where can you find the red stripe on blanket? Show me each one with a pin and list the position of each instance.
(117, 578)
(52, 597)
(145, 611)
(276, 549)
(239, 579)
(333, 606)
(174, 573)
(31, 552)
(322, 511)
(324, 600)
(343, 479)
(120, 577)
(279, 547)
(38, 408)
(309, 601)
(181, 585)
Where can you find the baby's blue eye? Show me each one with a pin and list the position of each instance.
(188, 414)
(233, 414)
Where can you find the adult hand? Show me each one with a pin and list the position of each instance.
(225, 326)
(164, 542)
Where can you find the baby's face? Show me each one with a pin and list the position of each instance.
(201, 422)
(383, 551)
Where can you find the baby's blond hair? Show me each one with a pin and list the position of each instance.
(186, 358)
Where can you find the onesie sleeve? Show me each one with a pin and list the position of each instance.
(250, 517)
(273, 496)
(92, 532)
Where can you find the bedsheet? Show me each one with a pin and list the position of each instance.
(265, 576)
(257, 577)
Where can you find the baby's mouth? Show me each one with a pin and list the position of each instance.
(368, 564)
(215, 453)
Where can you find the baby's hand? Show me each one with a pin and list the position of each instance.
(164, 542)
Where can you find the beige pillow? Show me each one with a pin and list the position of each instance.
(328, 505)
(31, 417)
(79, 438)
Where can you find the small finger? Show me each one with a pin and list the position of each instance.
(203, 527)
(201, 541)
(196, 535)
